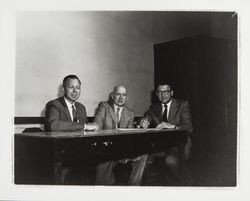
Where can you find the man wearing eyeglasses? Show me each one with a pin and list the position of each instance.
(169, 113)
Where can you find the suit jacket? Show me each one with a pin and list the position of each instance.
(106, 119)
(57, 116)
(179, 114)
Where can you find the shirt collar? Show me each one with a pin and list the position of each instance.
(115, 107)
(69, 105)
(168, 104)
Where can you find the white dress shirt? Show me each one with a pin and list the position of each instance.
(69, 105)
(163, 108)
(120, 112)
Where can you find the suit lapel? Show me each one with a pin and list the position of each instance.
(172, 110)
(158, 112)
(112, 113)
(79, 113)
(124, 118)
(65, 109)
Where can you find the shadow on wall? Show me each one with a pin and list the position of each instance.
(42, 114)
(154, 98)
(109, 99)
(60, 92)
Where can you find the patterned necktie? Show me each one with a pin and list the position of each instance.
(75, 119)
(165, 113)
(117, 117)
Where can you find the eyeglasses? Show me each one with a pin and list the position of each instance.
(166, 92)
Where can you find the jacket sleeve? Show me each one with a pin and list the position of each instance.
(185, 118)
(151, 117)
(100, 115)
(53, 122)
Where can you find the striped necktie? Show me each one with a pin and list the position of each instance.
(75, 119)
(118, 117)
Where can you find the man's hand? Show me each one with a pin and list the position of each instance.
(165, 125)
(91, 127)
(144, 123)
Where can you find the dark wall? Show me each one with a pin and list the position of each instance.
(203, 70)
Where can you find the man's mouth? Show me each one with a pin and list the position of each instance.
(74, 95)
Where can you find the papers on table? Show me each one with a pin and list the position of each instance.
(136, 129)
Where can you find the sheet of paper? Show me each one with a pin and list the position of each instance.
(136, 129)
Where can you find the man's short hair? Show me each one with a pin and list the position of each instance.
(163, 83)
(70, 77)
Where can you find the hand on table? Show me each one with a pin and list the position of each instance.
(144, 123)
(91, 127)
(165, 125)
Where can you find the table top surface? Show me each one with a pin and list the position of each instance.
(73, 134)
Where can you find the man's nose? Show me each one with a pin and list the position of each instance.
(74, 89)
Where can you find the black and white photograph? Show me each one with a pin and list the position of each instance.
(128, 100)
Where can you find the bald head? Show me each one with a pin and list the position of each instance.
(119, 95)
(119, 88)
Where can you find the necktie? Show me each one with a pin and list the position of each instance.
(117, 117)
(165, 113)
(75, 119)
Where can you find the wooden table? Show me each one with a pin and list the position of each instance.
(39, 157)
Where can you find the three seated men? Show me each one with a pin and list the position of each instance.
(66, 114)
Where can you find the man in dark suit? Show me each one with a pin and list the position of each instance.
(169, 113)
(64, 113)
(112, 115)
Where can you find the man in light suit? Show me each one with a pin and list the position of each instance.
(64, 113)
(113, 115)
(169, 113)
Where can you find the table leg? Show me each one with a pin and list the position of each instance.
(58, 173)
(182, 164)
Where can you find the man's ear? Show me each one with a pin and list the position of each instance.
(112, 96)
(172, 92)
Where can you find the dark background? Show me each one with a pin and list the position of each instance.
(203, 70)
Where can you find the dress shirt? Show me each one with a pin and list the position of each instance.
(163, 107)
(120, 112)
(69, 105)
